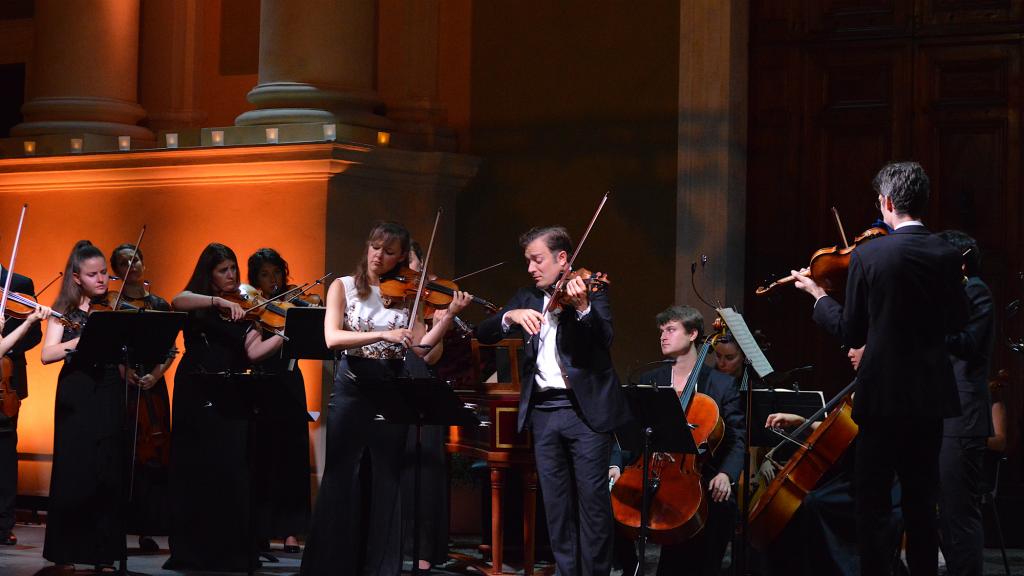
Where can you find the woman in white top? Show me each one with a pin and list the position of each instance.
(375, 340)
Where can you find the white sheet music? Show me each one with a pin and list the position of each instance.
(740, 331)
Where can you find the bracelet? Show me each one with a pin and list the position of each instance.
(213, 303)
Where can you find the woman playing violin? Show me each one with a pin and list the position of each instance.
(213, 394)
(83, 524)
(148, 411)
(375, 340)
(284, 432)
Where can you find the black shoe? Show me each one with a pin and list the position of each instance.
(148, 545)
(292, 549)
(9, 540)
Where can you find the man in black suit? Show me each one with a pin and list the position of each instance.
(571, 399)
(681, 329)
(964, 437)
(903, 296)
(9, 427)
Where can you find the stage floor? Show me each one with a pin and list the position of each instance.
(26, 558)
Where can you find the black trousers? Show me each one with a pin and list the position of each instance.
(909, 450)
(572, 469)
(8, 477)
(963, 538)
(345, 536)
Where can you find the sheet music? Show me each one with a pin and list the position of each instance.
(740, 331)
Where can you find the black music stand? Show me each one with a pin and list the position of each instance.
(765, 401)
(659, 426)
(304, 328)
(128, 338)
(419, 402)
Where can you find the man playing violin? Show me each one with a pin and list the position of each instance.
(680, 328)
(903, 296)
(570, 397)
(29, 337)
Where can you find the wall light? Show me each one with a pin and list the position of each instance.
(383, 138)
(124, 143)
(217, 136)
(171, 138)
(330, 132)
(29, 146)
(76, 145)
(271, 135)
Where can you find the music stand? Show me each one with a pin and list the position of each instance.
(304, 328)
(128, 338)
(419, 402)
(659, 426)
(765, 401)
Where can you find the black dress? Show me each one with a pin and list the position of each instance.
(211, 523)
(148, 506)
(283, 436)
(83, 523)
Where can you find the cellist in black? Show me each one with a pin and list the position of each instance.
(680, 327)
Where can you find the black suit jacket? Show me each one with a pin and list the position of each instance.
(584, 349)
(971, 353)
(903, 296)
(19, 378)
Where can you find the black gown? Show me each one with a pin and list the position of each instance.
(83, 523)
(211, 468)
(283, 437)
(148, 507)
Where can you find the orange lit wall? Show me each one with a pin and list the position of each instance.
(245, 197)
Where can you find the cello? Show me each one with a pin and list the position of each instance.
(678, 507)
(774, 506)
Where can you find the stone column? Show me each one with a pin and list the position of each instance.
(408, 73)
(171, 59)
(317, 64)
(712, 164)
(84, 70)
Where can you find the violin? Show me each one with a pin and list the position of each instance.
(828, 266)
(124, 303)
(595, 282)
(20, 306)
(401, 285)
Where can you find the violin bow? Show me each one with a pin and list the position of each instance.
(48, 284)
(839, 224)
(423, 272)
(560, 285)
(128, 270)
(474, 273)
(14, 255)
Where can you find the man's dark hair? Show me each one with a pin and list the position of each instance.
(688, 316)
(906, 184)
(556, 238)
(964, 243)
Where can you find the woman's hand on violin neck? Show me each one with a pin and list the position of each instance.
(578, 294)
(231, 309)
(460, 300)
(401, 336)
(804, 282)
(39, 314)
(530, 320)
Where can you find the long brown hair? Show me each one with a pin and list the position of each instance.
(201, 281)
(383, 232)
(70, 295)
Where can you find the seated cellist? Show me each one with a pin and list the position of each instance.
(821, 537)
(680, 327)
